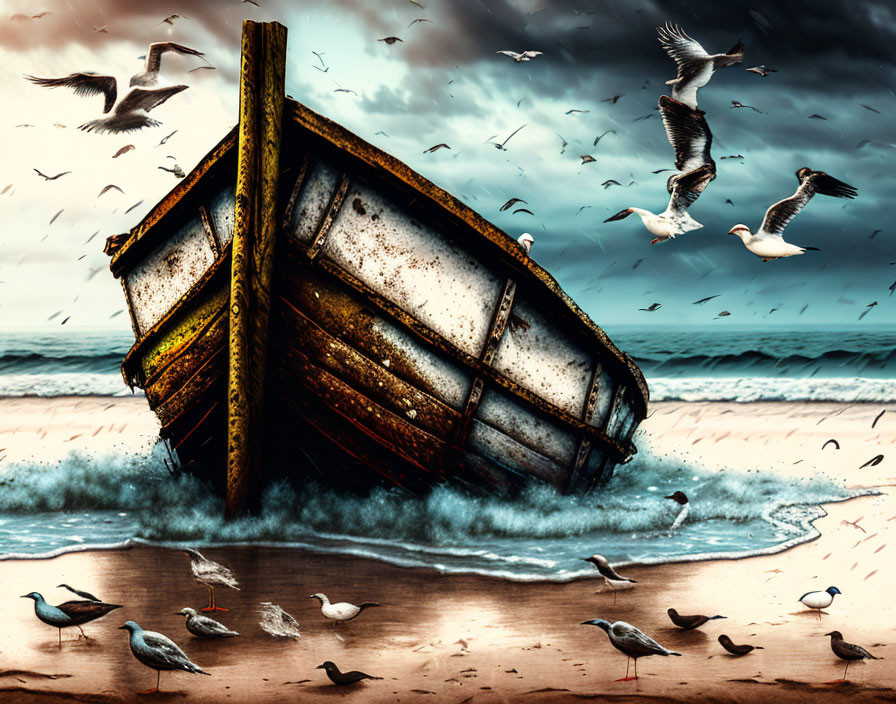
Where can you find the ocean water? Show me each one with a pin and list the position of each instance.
(688, 365)
(89, 501)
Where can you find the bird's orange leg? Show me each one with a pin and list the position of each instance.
(156, 689)
(60, 639)
(212, 606)
(83, 634)
(842, 679)
(655, 240)
(627, 678)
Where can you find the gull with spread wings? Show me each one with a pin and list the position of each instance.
(695, 65)
(689, 135)
(149, 76)
(768, 242)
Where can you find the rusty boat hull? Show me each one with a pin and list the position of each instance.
(411, 342)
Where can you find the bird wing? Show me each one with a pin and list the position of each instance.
(532, 54)
(88, 595)
(681, 48)
(146, 98)
(687, 132)
(635, 640)
(689, 186)
(511, 54)
(165, 650)
(154, 54)
(84, 84)
(511, 134)
(81, 609)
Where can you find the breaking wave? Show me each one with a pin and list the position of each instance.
(85, 501)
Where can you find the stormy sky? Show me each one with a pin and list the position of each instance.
(444, 83)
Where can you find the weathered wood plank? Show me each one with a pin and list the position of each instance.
(263, 70)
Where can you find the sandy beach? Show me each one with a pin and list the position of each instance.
(458, 638)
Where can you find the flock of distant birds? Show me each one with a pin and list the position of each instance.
(158, 652)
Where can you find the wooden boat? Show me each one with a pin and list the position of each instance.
(410, 340)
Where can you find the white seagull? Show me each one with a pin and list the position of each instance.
(526, 241)
(158, 652)
(695, 65)
(611, 577)
(211, 574)
(522, 56)
(689, 135)
(769, 242)
(131, 111)
(341, 611)
(149, 76)
(819, 600)
(681, 499)
(203, 626)
(631, 641)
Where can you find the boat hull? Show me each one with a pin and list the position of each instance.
(410, 342)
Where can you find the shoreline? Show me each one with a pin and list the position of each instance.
(464, 638)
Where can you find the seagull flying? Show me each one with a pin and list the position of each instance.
(523, 56)
(131, 113)
(762, 70)
(691, 139)
(695, 65)
(501, 145)
(768, 242)
(150, 75)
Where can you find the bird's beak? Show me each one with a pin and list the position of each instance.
(620, 215)
(587, 623)
(24, 596)
(732, 232)
(586, 559)
(829, 634)
(320, 667)
(122, 628)
(670, 497)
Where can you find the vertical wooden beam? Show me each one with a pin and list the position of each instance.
(263, 69)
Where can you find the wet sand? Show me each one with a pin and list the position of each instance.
(456, 638)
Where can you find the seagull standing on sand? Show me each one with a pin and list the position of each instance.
(611, 577)
(158, 652)
(695, 65)
(203, 626)
(847, 651)
(344, 678)
(341, 611)
(689, 135)
(689, 623)
(769, 242)
(71, 613)
(681, 499)
(631, 641)
(211, 574)
(819, 600)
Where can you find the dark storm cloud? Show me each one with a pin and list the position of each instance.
(831, 55)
